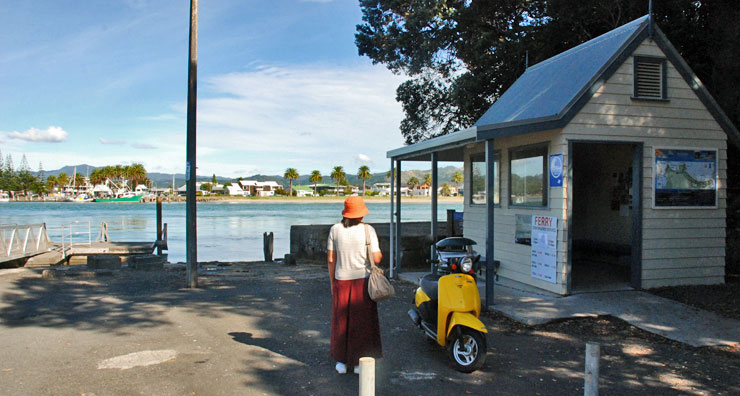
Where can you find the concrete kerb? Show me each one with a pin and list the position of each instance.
(657, 315)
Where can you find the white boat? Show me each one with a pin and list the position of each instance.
(4, 197)
(83, 198)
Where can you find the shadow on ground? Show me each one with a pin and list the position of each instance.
(284, 336)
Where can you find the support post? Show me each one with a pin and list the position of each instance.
(435, 183)
(398, 216)
(190, 169)
(367, 376)
(490, 161)
(391, 244)
(591, 385)
(159, 226)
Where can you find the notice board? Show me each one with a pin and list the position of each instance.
(544, 263)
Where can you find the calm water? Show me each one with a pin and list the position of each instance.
(226, 231)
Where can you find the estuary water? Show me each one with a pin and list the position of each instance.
(226, 231)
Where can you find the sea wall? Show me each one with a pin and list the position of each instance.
(308, 242)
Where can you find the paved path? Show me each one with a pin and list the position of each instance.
(668, 318)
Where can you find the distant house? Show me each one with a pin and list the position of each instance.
(423, 190)
(601, 168)
(235, 190)
(259, 189)
(384, 189)
(303, 191)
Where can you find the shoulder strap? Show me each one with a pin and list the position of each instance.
(368, 248)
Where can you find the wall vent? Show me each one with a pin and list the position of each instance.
(649, 78)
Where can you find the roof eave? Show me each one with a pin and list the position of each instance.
(445, 142)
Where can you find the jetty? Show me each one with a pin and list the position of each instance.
(29, 245)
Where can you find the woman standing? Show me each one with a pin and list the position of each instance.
(355, 331)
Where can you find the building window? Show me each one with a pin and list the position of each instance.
(527, 184)
(478, 179)
(650, 78)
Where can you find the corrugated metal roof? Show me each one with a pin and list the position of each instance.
(548, 89)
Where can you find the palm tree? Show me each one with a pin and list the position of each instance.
(413, 182)
(51, 182)
(457, 178)
(364, 174)
(290, 174)
(79, 179)
(445, 191)
(315, 178)
(62, 179)
(338, 175)
(427, 179)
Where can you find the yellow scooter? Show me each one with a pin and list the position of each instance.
(447, 304)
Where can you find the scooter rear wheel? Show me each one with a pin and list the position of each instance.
(467, 350)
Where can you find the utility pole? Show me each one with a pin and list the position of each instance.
(190, 168)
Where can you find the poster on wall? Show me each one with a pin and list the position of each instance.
(544, 264)
(685, 178)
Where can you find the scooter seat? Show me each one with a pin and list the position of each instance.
(430, 285)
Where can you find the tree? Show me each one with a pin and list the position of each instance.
(457, 178)
(462, 55)
(338, 175)
(413, 182)
(214, 181)
(427, 179)
(206, 187)
(445, 191)
(51, 182)
(315, 178)
(364, 173)
(62, 179)
(291, 174)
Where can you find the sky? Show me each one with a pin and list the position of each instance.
(280, 84)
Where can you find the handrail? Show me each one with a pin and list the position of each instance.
(18, 241)
(71, 236)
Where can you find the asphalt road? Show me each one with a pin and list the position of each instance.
(263, 329)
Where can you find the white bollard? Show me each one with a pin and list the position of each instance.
(367, 376)
(593, 353)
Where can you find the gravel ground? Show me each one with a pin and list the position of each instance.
(720, 299)
(262, 329)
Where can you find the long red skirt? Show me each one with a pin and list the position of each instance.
(355, 331)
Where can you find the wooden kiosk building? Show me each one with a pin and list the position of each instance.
(601, 168)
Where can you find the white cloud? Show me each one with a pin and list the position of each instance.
(52, 134)
(363, 158)
(106, 141)
(321, 116)
(143, 146)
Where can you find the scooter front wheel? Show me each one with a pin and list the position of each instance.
(468, 350)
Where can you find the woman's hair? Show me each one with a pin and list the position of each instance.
(351, 222)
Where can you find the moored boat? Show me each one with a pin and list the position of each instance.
(124, 197)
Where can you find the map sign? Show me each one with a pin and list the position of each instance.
(544, 263)
(685, 178)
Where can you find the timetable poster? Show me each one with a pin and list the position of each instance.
(544, 263)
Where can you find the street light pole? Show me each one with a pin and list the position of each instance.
(190, 168)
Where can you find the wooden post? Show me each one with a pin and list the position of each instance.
(267, 246)
(159, 226)
(490, 233)
(190, 168)
(450, 223)
(433, 192)
(593, 353)
(367, 376)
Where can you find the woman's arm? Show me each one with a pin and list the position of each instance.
(332, 259)
(377, 257)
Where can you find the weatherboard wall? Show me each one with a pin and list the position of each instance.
(679, 246)
(516, 258)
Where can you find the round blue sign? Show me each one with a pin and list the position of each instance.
(556, 166)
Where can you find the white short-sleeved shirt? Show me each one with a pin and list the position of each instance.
(349, 243)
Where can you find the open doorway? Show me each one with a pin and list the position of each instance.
(603, 216)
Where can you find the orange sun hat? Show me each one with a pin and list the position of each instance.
(354, 208)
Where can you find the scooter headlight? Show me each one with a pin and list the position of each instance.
(467, 264)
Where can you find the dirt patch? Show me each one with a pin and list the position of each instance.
(720, 299)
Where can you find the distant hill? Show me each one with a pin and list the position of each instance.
(165, 179)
